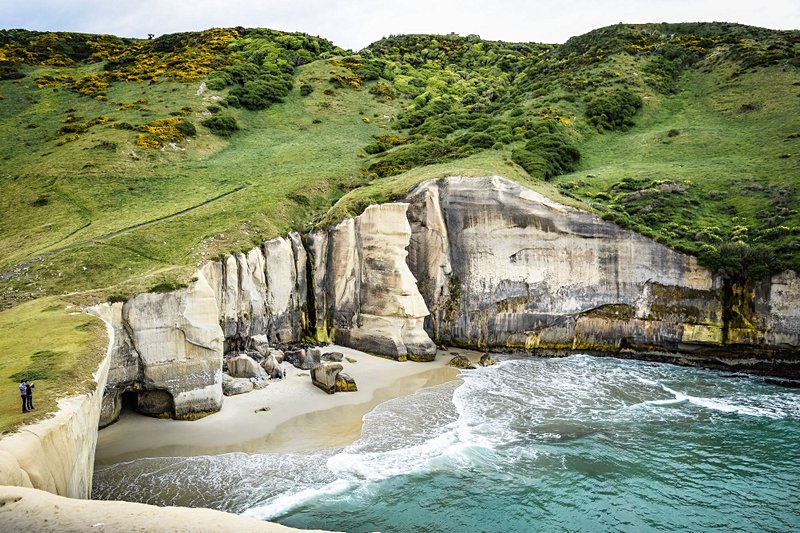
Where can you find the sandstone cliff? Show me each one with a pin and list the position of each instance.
(167, 348)
(505, 268)
(499, 267)
(365, 294)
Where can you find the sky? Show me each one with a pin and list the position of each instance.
(354, 24)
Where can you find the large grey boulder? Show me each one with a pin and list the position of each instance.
(487, 359)
(244, 366)
(232, 386)
(276, 354)
(462, 362)
(304, 359)
(270, 364)
(324, 375)
(334, 357)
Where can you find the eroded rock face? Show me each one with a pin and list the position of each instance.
(503, 267)
(367, 297)
(261, 294)
(179, 344)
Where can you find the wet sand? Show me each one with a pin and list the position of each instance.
(288, 415)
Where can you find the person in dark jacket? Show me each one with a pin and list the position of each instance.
(23, 391)
(29, 394)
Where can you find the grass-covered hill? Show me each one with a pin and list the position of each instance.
(126, 162)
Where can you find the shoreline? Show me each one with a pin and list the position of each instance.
(299, 416)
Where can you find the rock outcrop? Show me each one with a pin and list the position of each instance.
(503, 267)
(244, 366)
(323, 376)
(261, 293)
(365, 294)
(345, 383)
(167, 350)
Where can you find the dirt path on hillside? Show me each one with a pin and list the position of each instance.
(21, 267)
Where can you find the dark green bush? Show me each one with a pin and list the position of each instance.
(613, 111)
(739, 261)
(306, 89)
(222, 125)
(261, 93)
(547, 155)
(413, 155)
(187, 129)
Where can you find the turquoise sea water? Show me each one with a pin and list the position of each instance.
(572, 444)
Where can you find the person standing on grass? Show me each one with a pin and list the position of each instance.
(29, 394)
(23, 391)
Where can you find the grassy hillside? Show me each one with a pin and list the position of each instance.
(126, 163)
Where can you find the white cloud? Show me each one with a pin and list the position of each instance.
(354, 24)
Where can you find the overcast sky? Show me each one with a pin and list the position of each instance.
(356, 23)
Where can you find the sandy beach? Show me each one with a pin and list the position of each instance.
(288, 415)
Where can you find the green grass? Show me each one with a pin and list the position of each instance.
(49, 343)
(731, 149)
(294, 160)
(487, 163)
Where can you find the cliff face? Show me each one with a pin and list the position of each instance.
(505, 268)
(167, 348)
(365, 294)
(57, 454)
(498, 266)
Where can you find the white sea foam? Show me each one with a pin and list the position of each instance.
(286, 502)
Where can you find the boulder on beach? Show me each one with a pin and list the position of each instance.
(487, 359)
(244, 366)
(277, 354)
(260, 343)
(324, 376)
(259, 384)
(270, 365)
(334, 357)
(232, 386)
(344, 383)
(461, 361)
(302, 358)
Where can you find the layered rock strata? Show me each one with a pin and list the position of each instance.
(365, 295)
(167, 348)
(505, 268)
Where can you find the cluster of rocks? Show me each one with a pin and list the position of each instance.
(462, 362)
(250, 370)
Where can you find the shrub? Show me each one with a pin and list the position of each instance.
(612, 111)
(261, 93)
(739, 261)
(306, 89)
(547, 155)
(414, 155)
(222, 125)
(187, 129)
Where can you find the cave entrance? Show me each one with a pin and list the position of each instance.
(129, 402)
